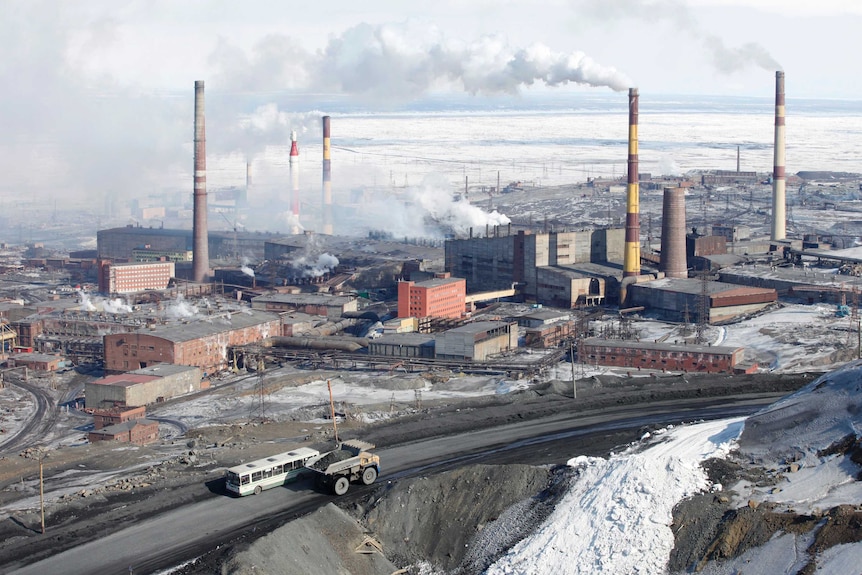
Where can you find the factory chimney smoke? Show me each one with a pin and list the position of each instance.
(200, 240)
(632, 259)
(673, 256)
(779, 223)
(327, 179)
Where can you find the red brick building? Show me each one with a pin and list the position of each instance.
(120, 414)
(664, 356)
(202, 344)
(439, 297)
(134, 277)
(136, 431)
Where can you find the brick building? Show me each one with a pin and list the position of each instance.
(134, 277)
(439, 297)
(142, 387)
(136, 431)
(663, 356)
(119, 414)
(202, 344)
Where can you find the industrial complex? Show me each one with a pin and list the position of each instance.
(161, 311)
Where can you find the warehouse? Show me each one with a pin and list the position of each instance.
(333, 307)
(678, 299)
(403, 345)
(143, 386)
(663, 356)
(201, 343)
(476, 341)
(135, 431)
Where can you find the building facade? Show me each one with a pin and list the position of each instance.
(476, 341)
(134, 277)
(142, 387)
(439, 297)
(662, 356)
(135, 431)
(202, 343)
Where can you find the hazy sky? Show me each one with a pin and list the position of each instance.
(100, 91)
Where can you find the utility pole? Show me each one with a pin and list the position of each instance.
(39, 454)
(574, 379)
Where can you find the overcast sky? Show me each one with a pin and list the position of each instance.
(94, 77)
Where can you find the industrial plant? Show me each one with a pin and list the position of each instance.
(513, 297)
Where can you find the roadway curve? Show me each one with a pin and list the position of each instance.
(41, 422)
(189, 531)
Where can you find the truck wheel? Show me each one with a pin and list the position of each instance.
(369, 476)
(341, 485)
(257, 490)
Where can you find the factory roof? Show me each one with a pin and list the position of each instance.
(694, 286)
(436, 282)
(124, 379)
(593, 269)
(547, 315)
(123, 427)
(212, 325)
(409, 339)
(656, 346)
(304, 299)
(794, 275)
(163, 370)
(478, 326)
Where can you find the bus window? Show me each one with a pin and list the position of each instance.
(267, 473)
(277, 470)
(245, 479)
(256, 476)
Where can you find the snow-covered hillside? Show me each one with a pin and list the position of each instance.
(618, 516)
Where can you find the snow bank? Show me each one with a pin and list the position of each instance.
(799, 425)
(617, 517)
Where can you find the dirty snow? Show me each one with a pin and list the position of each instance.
(616, 519)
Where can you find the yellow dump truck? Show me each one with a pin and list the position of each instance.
(351, 462)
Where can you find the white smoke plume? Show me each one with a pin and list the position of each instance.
(315, 268)
(429, 210)
(725, 59)
(98, 304)
(402, 61)
(247, 271)
(181, 309)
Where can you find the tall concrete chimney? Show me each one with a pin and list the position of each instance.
(200, 240)
(632, 261)
(779, 222)
(327, 179)
(673, 257)
(294, 179)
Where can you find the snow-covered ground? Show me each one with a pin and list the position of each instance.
(617, 517)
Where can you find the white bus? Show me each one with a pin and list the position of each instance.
(255, 476)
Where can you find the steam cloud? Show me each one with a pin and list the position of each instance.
(401, 61)
(724, 58)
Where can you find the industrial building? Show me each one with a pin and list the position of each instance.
(662, 356)
(563, 269)
(131, 242)
(142, 387)
(476, 341)
(332, 307)
(688, 299)
(135, 431)
(118, 414)
(200, 343)
(123, 278)
(441, 297)
(406, 345)
(36, 361)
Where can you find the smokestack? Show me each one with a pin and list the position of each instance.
(673, 257)
(294, 178)
(327, 179)
(200, 241)
(779, 223)
(632, 262)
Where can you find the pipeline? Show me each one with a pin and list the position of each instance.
(349, 345)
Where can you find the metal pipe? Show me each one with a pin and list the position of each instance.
(200, 240)
(779, 222)
(632, 260)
